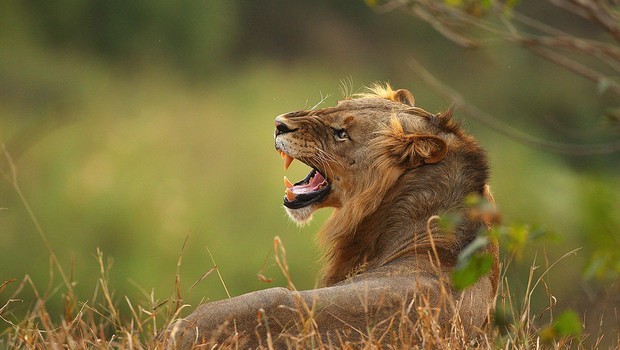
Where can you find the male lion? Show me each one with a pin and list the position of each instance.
(388, 168)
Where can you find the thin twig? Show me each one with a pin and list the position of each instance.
(596, 13)
(204, 275)
(576, 67)
(495, 124)
(535, 35)
(12, 178)
(218, 273)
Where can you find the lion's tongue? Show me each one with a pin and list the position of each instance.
(313, 185)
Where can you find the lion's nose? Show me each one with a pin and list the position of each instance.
(282, 128)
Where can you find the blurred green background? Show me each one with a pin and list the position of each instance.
(135, 124)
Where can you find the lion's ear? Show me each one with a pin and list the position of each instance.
(404, 96)
(427, 149)
(411, 150)
(416, 150)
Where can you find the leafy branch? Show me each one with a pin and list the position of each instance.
(593, 56)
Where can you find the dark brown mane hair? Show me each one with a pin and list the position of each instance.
(404, 202)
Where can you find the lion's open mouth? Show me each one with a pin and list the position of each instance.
(314, 188)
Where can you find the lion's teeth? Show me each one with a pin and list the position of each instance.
(287, 161)
(290, 196)
(287, 183)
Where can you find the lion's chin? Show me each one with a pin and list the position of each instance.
(301, 216)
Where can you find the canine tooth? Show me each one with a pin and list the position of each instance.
(290, 195)
(287, 161)
(282, 154)
(287, 183)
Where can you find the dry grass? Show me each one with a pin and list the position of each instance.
(107, 321)
(99, 322)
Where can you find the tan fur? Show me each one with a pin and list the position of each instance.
(399, 169)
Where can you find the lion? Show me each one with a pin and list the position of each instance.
(389, 169)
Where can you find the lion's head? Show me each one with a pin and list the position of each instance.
(384, 164)
(358, 148)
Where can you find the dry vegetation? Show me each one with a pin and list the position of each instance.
(106, 321)
(109, 321)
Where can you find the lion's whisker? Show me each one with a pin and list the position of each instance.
(328, 156)
(325, 159)
(323, 162)
(321, 101)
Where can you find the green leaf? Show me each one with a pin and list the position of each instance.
(567, 324)
(449, 222)
(472, 269)
(471, 249)
(516, 237)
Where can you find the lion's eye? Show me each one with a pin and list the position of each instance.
(341, 134)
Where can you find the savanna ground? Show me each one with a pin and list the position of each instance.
(127, 176)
